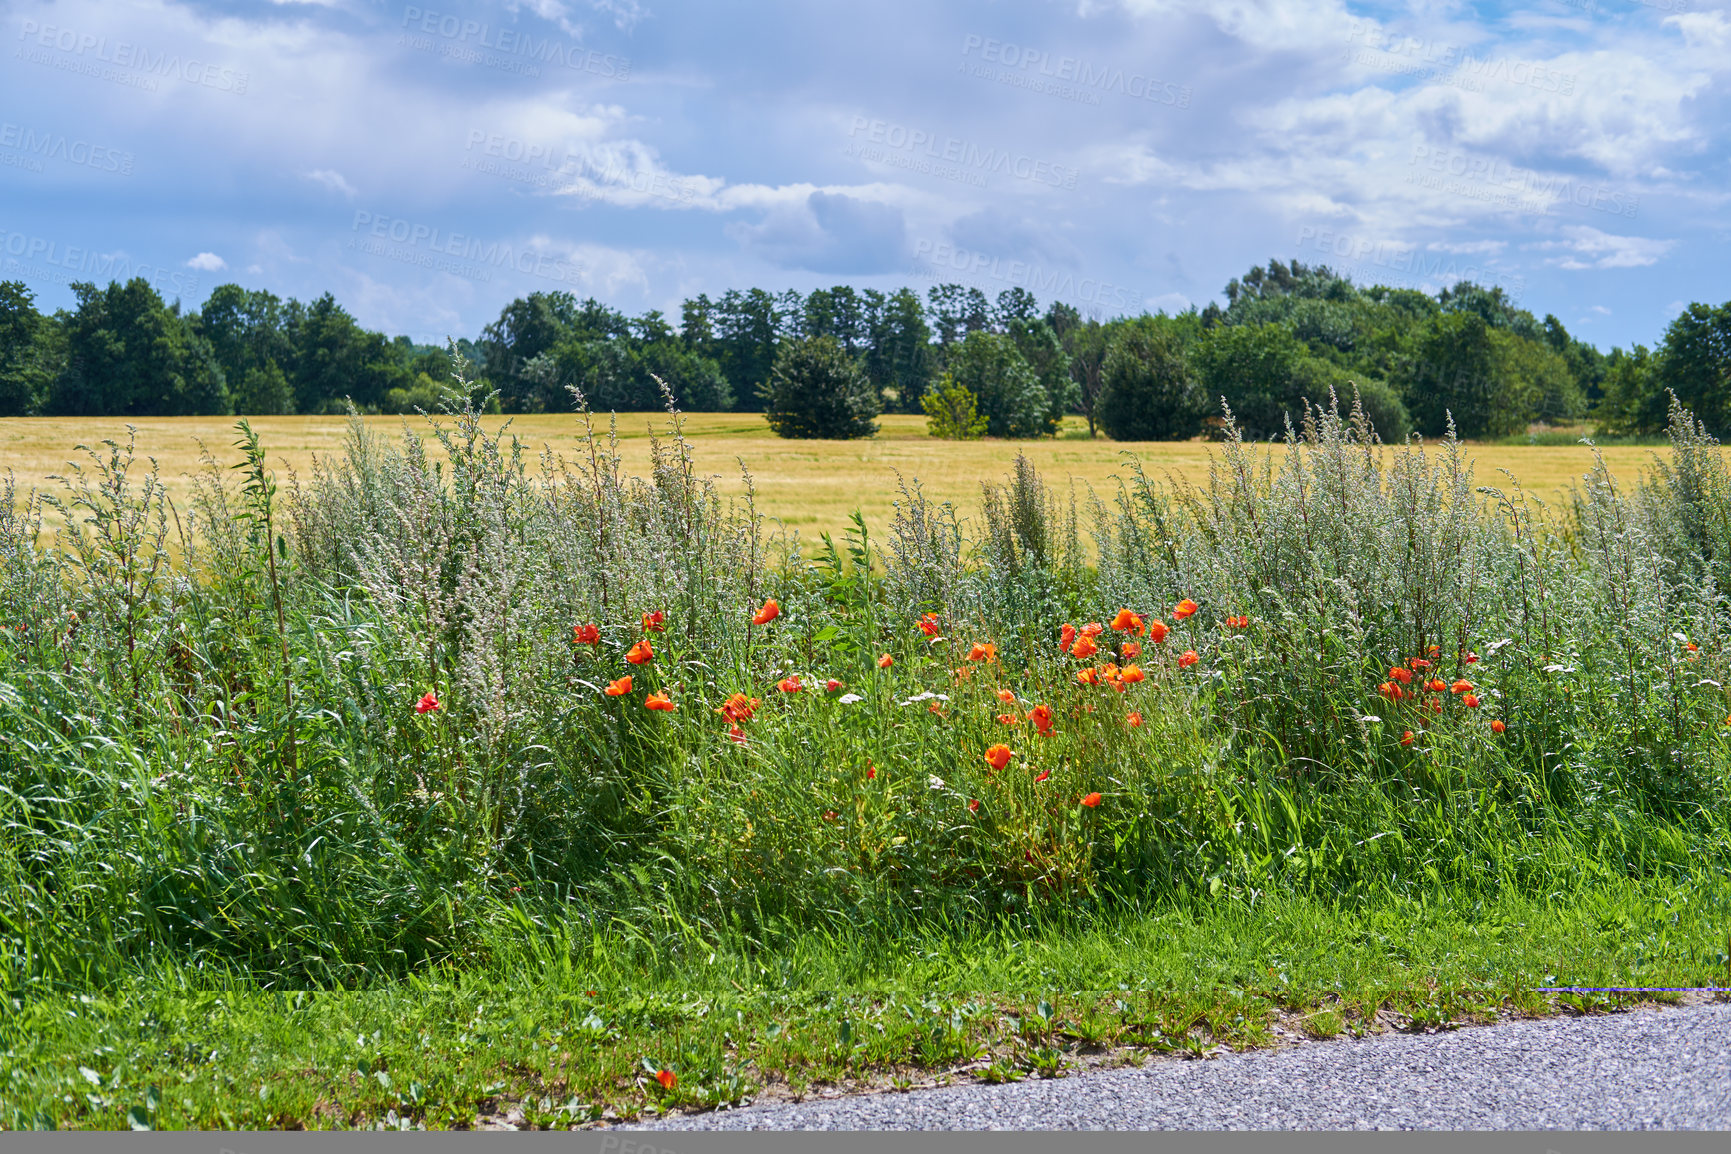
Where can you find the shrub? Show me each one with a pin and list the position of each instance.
(817, 390)
(1148, 391)
(951, 411)
(1010, 396)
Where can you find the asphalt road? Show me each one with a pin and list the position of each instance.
(1642, 1069)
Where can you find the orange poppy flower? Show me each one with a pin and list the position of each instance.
(1404, 676)
(586, 634)
(1041, 716)
(1471, 658)
(1127, 622)
(1183, 609)
(1130, 650)
(973, 805)
(1419, 663)
(427, 704)
(1461, 686)
(1471, 701)
(1007, 697)
(831, 685)
(1044, 774)
(667, 1078)
(929, 625)
(1436, 685)
(655, 622)
(983, 651)
(1498, 726)
(1093, 629)
(1157, 631)
(1406, 738)
(1187, 659)
(1389, 690)
(660, 703)
(934, 707)
(1237, 622)
(736, 735)
(1091, 800)
(1007, 719)
(619, 688)
(1084, 648)
(998, 756)
(1066, 635)
(739, 707)
(1691, 647)
(641, 653)
(768, 613)
(1088, 676)
(789, 684)
(1134, 719)
(963, 673)
(1131, 674)
(886, 661)
(871, 771)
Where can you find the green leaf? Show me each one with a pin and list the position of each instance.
(138, 1118)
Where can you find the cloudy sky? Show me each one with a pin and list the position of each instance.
(428, 162)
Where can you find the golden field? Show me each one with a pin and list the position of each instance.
(808, 485)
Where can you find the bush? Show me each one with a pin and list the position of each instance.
(951, 411)
(1148, 394)
(817, 390)
(1010, 396)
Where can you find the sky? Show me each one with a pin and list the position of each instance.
(427, 163)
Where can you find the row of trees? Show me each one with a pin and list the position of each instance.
(1003, 367)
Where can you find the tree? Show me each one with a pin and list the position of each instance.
(1010, 396)
(745, 342)
(1148, 395)
(1255, 370)
(1454, 372)
(817, 390)
(29, 351)
(1695, 364)
(1040, 347)
(336, 361)
(527, 328)
(128, 354)
(1087, 345)
(952, 412)
(248, 334)
(900, 361)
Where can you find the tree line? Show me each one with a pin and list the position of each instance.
(826, 363)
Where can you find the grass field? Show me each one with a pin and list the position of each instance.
(811, 486)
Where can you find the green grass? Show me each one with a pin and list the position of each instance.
(235, 849)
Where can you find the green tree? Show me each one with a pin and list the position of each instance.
(248, 334)
(952, 412)
(1148, 392)
(129, 354)
(817, 390)
(1695, 364)
(1455, 370)
(1039, 345)
(1010, 396)
(1256, 370)
(30, 351)
(900, 360)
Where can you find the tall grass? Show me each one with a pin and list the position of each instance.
(211, 754)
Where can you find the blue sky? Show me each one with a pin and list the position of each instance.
(428, 162)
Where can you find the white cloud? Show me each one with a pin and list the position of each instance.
(332, 180)
(207, 262)
(1588, 247)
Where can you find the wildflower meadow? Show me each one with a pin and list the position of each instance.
(582, 794)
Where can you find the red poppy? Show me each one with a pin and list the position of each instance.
(1157, 631)
(739, 707)
(929, 625)
(1187, 659)
(586, 634)
(935, 707)
(1691, 647)
(660, 703)
(1389, 690)
(1007, 719)
(1436, 685)
(1131, 674)
(1127, 622)
(1041, 716)
(1404, 676)
(973, 805)
(1498, 727)
(1471, 701)
(768, 613)
(885, 661)
(1093, 629)
(1134, 719)
(998, 756)
(871, 771)
(831, 685)
(1091, 800)
(1406, 738)
(619, 688)
(1237, 622)
(1461, 686)
(736, 735)
(1130, 650)
(963, 672)
(641, 653)
(1084, 647)
(789, 684)
(667, 1078)
(1419, 663)
(427, 704)
(1066, 635)
(655, 622)
(1044, 774)
(1088, 676)
(1183, 609)
(1471, 658)
(1006, 696)
(983, 651)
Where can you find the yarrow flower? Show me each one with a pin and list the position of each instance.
(640, 653)
(586, 634)
(427, 704)
(768, 613)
